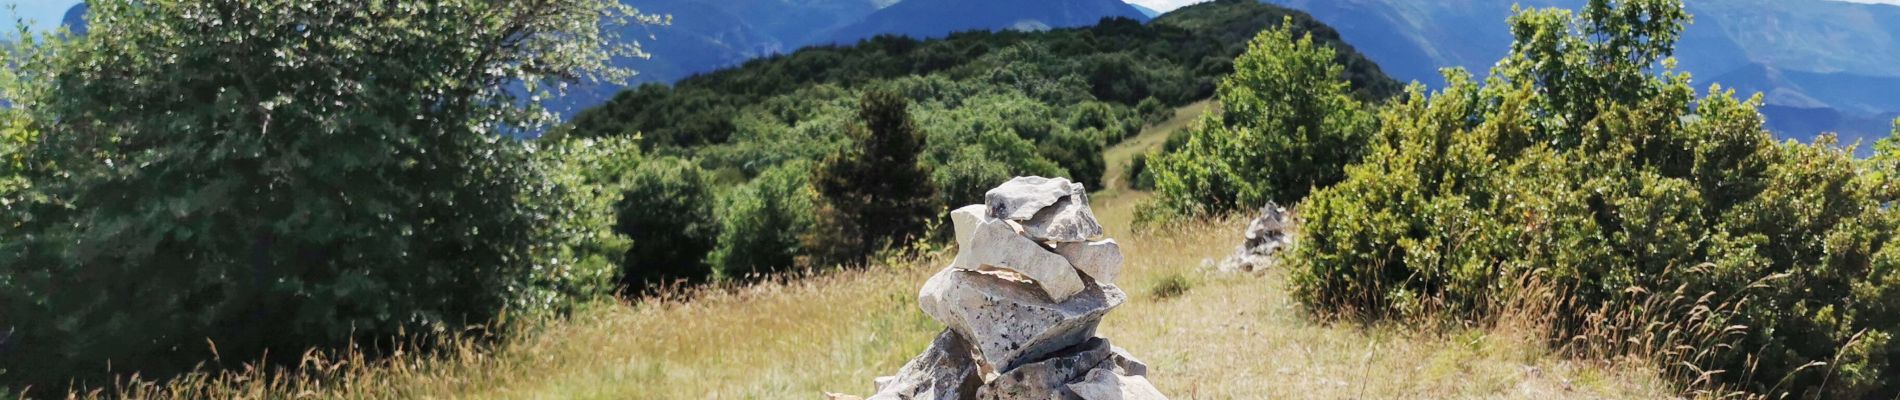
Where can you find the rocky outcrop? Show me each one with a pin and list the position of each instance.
(1032, 279)
(1267, 235)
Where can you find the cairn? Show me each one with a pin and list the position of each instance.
(1266, 235)
(1030, 283)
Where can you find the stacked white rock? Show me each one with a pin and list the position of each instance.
(1030, 283)
(1266, 235)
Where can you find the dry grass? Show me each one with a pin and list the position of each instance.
(1226, 337)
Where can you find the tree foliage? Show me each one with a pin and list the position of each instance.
(268, 176)
(876, 194)
(763, 222)
(667, 208)
(1286, 125)
(1658, 216)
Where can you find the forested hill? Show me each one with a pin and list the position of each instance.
(1174, 59)
(987, 106)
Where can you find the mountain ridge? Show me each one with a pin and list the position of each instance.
(1822, 66)
(925, 19)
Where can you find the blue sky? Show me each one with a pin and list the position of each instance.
(45, 14)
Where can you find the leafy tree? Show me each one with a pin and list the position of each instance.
(270, 176)
(763, 221)
(667, 209)
(1287, 124)
(581, 190)
(876, 193)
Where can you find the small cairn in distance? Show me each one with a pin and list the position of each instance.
(1032, 279)
(1266, 235)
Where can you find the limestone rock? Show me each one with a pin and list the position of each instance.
(1011, 322)
(1127, 364)
(1104, 384)
(1020, 198)
(966, 220)
(995, 244)
(944, 372)
(1101, 260)
(1049, 377)
(1067, 220)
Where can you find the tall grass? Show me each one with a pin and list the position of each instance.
(1672, 331)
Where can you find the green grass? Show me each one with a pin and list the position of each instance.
(1236, 336)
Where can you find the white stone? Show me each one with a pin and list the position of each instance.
(1011, 322)
(1104, 384)
(1101, 260)
(1127, 364)
(1048, 377)
(966, 220)
(995, 244)
(944, 372)
(1020, 198)
(1067, 220)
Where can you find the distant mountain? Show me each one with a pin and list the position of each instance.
(1822, 65)
(703, 36)
(75, 20)
(936, 18)
(1151, 13)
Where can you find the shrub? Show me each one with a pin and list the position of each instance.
(271, 176)
(1671, 226)
(666, 207)
(1170, 286)
(762, 222)
(1153, 111)
(1139, 176)
(1287, 124)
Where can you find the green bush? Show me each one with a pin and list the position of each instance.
(762, 222)
(1287, 124)
(268, 177)
(666, 207)
(1139, 176)
(1153, 111)
(1668, 224)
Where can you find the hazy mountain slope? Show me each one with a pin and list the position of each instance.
(934, 18)
(1822, 65)
(75, 19)
(701, 38)
(1151, 13)
(795, 23)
